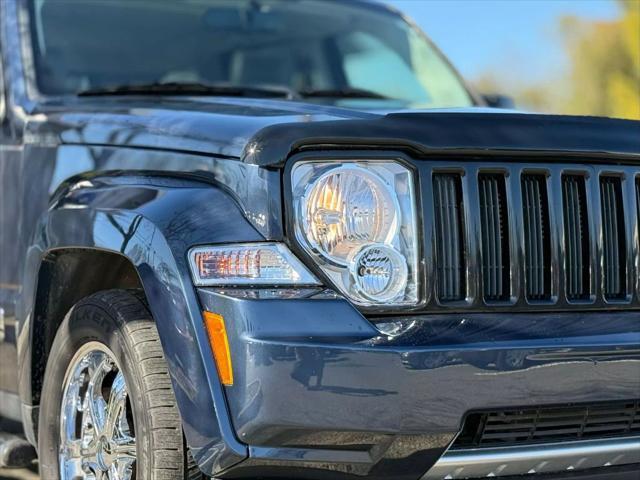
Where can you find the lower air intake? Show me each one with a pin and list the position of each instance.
(550, 424)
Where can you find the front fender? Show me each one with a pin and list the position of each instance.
(153, 221)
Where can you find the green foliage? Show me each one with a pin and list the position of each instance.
(605, 70)
(603, 76)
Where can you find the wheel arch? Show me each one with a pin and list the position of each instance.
(135, 232)
(65, 276)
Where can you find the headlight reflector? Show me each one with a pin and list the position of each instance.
(347, 207)
(379, 273)
(357, 220)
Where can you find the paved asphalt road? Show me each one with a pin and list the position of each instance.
(17, 475)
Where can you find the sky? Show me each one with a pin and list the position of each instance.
(513, 37)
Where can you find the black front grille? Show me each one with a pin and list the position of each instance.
(550, 424)
(613, 238)
(537, 247)
(447, 199)
(576, 235)
(533, 236)
(495, 237)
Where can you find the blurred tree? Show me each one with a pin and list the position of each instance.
(540, 97)
(605, 64)
(603, 75)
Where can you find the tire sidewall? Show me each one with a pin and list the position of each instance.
(86, 323)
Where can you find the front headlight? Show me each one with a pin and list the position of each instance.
(358, 222)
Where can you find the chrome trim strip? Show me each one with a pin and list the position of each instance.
(530, 459)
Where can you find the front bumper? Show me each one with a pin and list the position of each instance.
(319, 392)
(538, 459)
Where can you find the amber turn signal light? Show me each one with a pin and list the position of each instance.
(219, 342)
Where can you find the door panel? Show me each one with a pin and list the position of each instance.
(9, 260)
(10, 156)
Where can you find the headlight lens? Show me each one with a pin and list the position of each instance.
(357, 219)
(347, 207)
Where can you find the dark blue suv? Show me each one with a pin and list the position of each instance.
(282, 239)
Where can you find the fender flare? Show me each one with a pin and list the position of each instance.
(152, 222)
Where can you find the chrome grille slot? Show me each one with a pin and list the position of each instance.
(447, 197)
(535, 210)
(494, 238)
(576, 228)
(613, 238)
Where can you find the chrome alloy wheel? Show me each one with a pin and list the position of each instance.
(97, 436)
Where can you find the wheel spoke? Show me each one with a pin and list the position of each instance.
(96, 440)
(116, 420)
(90, 463)
(95, 404)
(71, 468)
(125, 448)
(72, 403)
(101, 475)
(122, 468)
(72, 449)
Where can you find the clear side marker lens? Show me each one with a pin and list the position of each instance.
(248, 264)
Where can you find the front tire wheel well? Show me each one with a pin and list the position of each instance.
(117, 322)
(67, 276)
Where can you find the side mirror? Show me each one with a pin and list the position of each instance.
(499, 101)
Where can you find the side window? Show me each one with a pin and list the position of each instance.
(362, 56)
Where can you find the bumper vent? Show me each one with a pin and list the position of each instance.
(613, 234)
(535, 210)
(495, 238)
(447, 197)
(550, 424)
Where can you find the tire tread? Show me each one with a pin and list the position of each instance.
(170, 458)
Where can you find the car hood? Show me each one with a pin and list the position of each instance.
(265, 132)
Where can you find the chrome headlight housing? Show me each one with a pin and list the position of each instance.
(357, 220)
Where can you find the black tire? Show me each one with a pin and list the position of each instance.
(119, 320)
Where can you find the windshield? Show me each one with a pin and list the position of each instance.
(299, 45)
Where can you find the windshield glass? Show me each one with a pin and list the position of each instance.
(301, 45)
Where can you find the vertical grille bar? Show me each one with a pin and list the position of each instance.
(576, 228)
(638, 203)
(636, 254)
(537, 245)
(494, 236)
(447, 195)
(613, 236)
